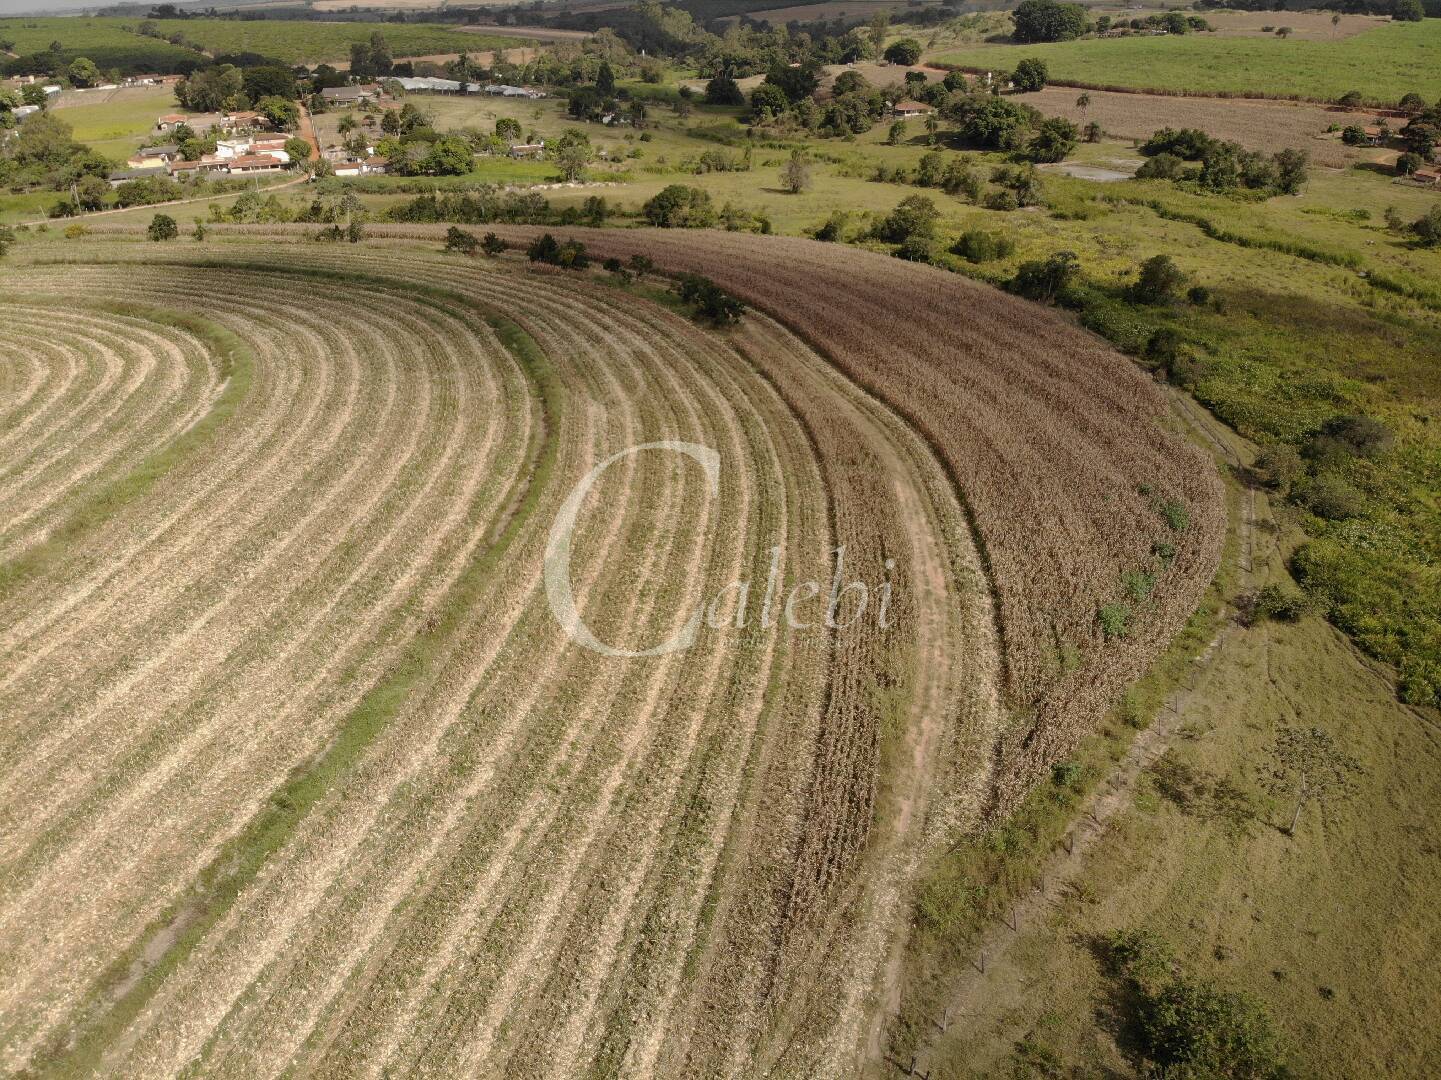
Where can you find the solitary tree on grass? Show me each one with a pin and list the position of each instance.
(796, 173)
(162, 227)
(1308, 766)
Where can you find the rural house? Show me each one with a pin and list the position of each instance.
(350, 95)
(907, 109)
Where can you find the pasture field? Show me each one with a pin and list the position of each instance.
(348, 799)
(115, 122)
(290, 41)
(1384, 63)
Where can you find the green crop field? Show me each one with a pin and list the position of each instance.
(1383, 64)
(115, 126)
(290, 41)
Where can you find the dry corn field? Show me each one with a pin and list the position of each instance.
(301, 774)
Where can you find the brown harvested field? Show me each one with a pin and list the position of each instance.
(1305, 25)
(1257, 125)
(306, 773)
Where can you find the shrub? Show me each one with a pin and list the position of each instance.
(457, 239)
(1175, 515)
(1280, 604)
(708, 299)
(1044, 279)
(723, 90)
(915, 215)
(1428, 229)
(1158, 282)
(1278, 466)
(1053, 140)
(1192, 144)
(680, 207)
(492, 245)
(1332, 497)
(1408, 163)
(906, 51)
(570, 254)
(1350, 435)
(1030, 75)
(1114, 620)
(1164, 166)
(162, 227)
(978, 246)
(1191, 1028)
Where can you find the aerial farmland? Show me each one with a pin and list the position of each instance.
(690, 549)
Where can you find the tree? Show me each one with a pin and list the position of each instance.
(298, 149)
(83, 72)
(1047, 20)
(896, 133)
(1427, 229)
(1159, 281)
(914, 217)
(678, 206)
(380, 56)
(1093, 132)
(1030, 74)
(767, 103)
(571, 153)
(91, 192)
(796, 173)
(1308, 766)
(905, 52)
(709, 300)
(270, 80)
(457, 239)
(282, 112)
(605, 80)
(723, 90)
(797, 83)
(209, 90)
(492, 245)
(1408, 11)
(508, 128)
(880, 24)
(1045, 279)
(1053, 140)
(449, 155)
(347, 124)
(1291, 170)
(1408, 163)
(1083, 102)
(162, 227)
(361, 64)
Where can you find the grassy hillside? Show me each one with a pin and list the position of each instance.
(291, 41)
(1383, 64)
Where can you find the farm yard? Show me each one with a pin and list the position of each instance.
(1383, 64)
(347, 797)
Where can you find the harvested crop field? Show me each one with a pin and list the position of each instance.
(1255, 124)
(304, 770)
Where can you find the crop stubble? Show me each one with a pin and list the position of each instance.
(550, 861)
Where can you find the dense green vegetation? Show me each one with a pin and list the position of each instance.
(1383, 64)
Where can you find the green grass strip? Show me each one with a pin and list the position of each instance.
(237, 368)
(122, 992)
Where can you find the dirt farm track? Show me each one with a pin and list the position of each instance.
(302, 774)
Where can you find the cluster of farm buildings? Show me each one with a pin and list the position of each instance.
(247, 149)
